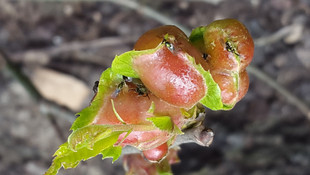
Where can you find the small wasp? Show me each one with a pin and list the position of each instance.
(205, 56)
(169, 45)
(120, 86)
(230, 48)
(142, 90)
(95, 87)
(118, 89)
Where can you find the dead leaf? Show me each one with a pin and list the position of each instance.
(61, 88)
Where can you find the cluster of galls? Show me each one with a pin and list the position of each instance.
(228, 48)
(169, 81)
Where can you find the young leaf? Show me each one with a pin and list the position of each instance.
(113, 151)
(162, 122)
(87, 136)
(212, 99)
(177, 130)
(128, 132)
(108, 81)
(67, 158)
(196, 38)
(122, 64)
(189, 113)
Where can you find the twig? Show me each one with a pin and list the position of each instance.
(77, 46)
(214, 2)
(57, 128)
(46, 107)
(24, 80)
(135, 6)
(49, 107)
(278, 35)
(147, 11)
(101, 42)
(198, 134)
(289, 96)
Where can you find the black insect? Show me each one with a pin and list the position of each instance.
(95, 87)
(205, 56)
(142, 90)
(230, 48)
(120, 86)
(118, 89)
(168, 45)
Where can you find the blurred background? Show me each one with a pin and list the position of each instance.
(63, 46)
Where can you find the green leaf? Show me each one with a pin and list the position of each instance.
(197, 34)
(108, 81)
(67, 158)
(185, 113)
(113, 151)
(189, 113)
(196, 38)
(177, 130)
(128, 132)
(123, 64)
(87, 136)
(162, 122)
(213, 98)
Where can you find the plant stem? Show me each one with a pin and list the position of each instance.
(145, 10)
(21, 77)
(289, 96)
(46, 107)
